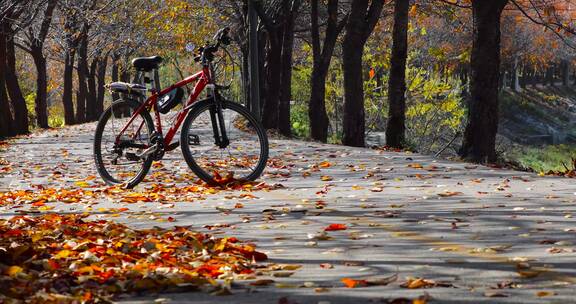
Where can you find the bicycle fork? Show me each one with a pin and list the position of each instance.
(219, 125)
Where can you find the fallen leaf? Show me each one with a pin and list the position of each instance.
(262, 282)
(382, 281)
(417, 283)
(13, 271)
(449, 194)
(351, 283)
(326, 266)
(542, 294)
(336, 227)
(63, 254)
(495, 294)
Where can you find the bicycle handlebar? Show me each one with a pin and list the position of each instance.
(207, 52)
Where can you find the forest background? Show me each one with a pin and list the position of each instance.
(430, 74)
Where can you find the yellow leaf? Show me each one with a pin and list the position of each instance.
(326, 178)
(63, 254)
(82, 184)
(420, 301)
(85, 270)
(415, 166)
(45, 208)
(418, 283)
(290, 267)
(449, 249)
(14, 270)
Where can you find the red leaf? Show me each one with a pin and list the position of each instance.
(351, 283)
(335, 227)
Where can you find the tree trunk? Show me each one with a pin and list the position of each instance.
(82, 71)
(550, 75)
(36, 51)
(317, 105)
(284, 125)
(100, 89)
(262, 72)
(115, 76)
(533, 78)
(354, 119)
(566, 72)
(479, 144)
(6, 121)
(396, 128)
(41, 101)
(125, 77)
(502, 81)
(515, 78)
(14, 91)
(361, 22)
(67, 101)
(91, 98)
(246, 78)
(272, 84)
(322, 56)
(524, 78)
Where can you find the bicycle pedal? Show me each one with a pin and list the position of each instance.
(193, 140)
(132, 156)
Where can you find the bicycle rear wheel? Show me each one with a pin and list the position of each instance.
(123, 161)
(243, 159)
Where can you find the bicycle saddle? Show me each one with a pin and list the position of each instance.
(146, 64)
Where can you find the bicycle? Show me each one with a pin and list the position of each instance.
(220, 140)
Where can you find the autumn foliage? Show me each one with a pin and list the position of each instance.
(67, 258)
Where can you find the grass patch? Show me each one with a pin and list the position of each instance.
(544, 159)
(56, 116)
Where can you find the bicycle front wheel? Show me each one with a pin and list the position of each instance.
(120, 157)
(243, 158)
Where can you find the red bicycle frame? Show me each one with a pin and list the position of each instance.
(202, 78)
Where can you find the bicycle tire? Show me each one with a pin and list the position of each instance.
(189, 157)
(97, 149)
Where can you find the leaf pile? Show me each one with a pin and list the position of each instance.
(66, 258)
(5, 166)
(83, 192)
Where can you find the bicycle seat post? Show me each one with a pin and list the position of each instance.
(149, 77)
(156, 80)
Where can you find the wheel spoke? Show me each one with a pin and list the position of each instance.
(119, 165)
(244, 157)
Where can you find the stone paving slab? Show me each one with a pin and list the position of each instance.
(409, 215)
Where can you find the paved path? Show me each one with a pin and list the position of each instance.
(470, 228)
